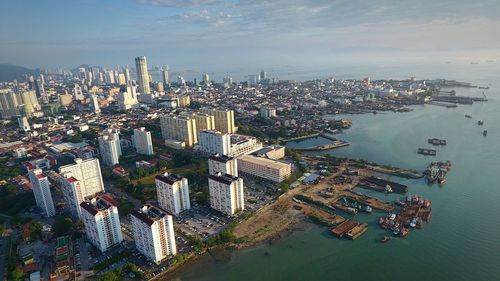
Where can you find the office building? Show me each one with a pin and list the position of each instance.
(141, 66)
(102, 223)
(142, 141)
(214, 142)
(180, 128)
(264, 168)
(173, 193)
(224, 120)
(153, 231)
(88, 173)
(222, 164)
(41, 190)
(226, 193)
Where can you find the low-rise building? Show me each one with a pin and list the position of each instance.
(264, 168)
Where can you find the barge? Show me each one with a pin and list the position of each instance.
(427, 151)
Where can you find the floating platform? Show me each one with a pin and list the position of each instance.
(357, 231)
(427, 151)
(396, 187)
(341, 229)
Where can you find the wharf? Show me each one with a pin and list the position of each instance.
(335, 144)
(341, 229)
(371, 201)
(399, 172)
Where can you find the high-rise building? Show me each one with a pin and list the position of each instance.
(41, 190)
(224, 120)
(126, 100)
(109, 146)
(153, 231)
(165, 76)
(263, 76)
(204, 122)
(127, 75)
(9, 104)
(222, 164)
(39, 89)
(94, 104)
(205, 78)
(88, 173)
(173, 193)
(180, 128)
(30, 102)
(74, 193)
(102, 223)
(23, 123)
(142, 141)
(226, 193)
(141, 66)
(214, 142)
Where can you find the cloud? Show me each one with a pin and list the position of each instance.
(180, 3)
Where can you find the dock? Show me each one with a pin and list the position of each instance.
(335, 144)
(341, 229)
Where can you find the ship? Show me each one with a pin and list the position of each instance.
(437, 171)
(385, 239)
(468, 116)
(485, 132)
(480, 122)
(441, 176)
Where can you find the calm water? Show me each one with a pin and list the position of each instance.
(462, 242)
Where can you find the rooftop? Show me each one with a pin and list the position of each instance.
(149, 214)
(263, 162)
(168, 178)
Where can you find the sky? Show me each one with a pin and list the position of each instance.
(231, 35)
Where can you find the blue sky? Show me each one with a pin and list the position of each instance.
(217, 35)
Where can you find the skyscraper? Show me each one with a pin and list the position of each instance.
(127, 75)
(94, 104)
(153, 231)
(165, 75)
(141, 66)
(41, 190)
(102, 223)
(173, 193)
(142, 141)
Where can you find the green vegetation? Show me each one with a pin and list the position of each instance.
(73, 139)
(12, 203)
(124, 206)
(7, 172)
(13, 260)
(180, 258)
(225, 236)
(62, 226)
(36, 231)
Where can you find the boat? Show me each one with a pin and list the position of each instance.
(468, 116)
(385, 239)
(485, 132)
(480, 122)
(413, 223)
(441, 176)
(403, 232)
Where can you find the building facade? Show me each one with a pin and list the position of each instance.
(224, 119)
(180, 128)
(141, 66)
(173, 193)
(41, 190)
(214, 142)
(222, 164)
(142, 141)
(226, 193)
(88, 173)
(102, 223)
(264, 168)
(153, 231)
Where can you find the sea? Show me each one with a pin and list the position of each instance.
(462, 240)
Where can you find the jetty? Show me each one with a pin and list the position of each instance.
(335, 144)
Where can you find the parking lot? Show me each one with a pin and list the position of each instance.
(202, 221)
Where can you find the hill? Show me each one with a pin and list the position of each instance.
(9, 72)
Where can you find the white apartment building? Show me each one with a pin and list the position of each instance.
(264, 168)
(102, 223)
(153, 231)
(214, 142)
(88, 173)
(222, 164)
(41, 190)
(243, 145)
(226, 193)
(142, 141)
(110, 148)
(74, 193)
(173, 193)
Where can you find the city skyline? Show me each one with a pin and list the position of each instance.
(196, 33)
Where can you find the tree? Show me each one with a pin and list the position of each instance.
(17, 274)
(62, 226)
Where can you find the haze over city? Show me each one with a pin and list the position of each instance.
(219, 35)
